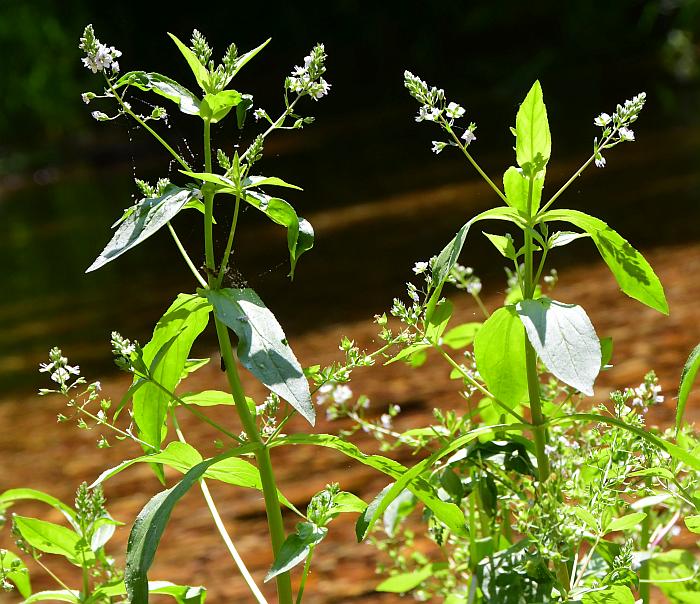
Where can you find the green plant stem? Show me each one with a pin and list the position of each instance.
(186, 257)
(644, 568)
(49, 572)
(538, 419)
(305, 574)
(277, 123)
(478, 386)
(86, 581)
(208, 205)
(481, 306)
(229, 243)
(267, 478)
(218, 522)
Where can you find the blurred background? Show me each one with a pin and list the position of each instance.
(376, 195)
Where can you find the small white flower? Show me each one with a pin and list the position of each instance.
(433, 114)
(468, 136)
(259, 113)
(385, 420)
(342, 394)
(99, 116)
(438, 146)
(626, 134)
(454, 111)
(321, 89)
(45, 367)
(474, 288)
(420, 267)
(86, 97)
(599, 161)
(602, 120)
(422, 113)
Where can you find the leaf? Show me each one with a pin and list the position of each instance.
(409, 353)
(660, 472)
(613, 594)
(11, 496)
(211, 398)
(14, 569)
(533, 143)
(53, 539)
(461, 336)
(216, 179)
(673, 572)
(300, 233)
(260, 181)
(262, 347)
(583, 514)
(692, 523)
(149, 526)
(626, 522)
(216, 107)
(438, 321)
(184, 320)
(562, 238)
(165, 87)
(688, 375)
(296, 548)
(631, 271)
(606, 352)
(242, 109)
(503, 244)
(408, 479)
(345, 502)
(54, 595)
(448, 513)
(149, 216)
(564, 338)
(499, 351)
(200, 72)
(516, 186)
(241, 61)
(405, 582)
(182, 594)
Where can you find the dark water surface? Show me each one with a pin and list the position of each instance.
(373, 220)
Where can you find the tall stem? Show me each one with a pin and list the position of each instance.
(644, 569)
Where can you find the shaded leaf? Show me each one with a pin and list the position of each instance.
(216, 107)
(262, 347)
(626, 522)
(200, 72)
(148, 217)
(533, 143)
(296, 548)
(688, 375)
(53, 539)
(461, 336)
(164, 86)
(405, 582)
(517, 189)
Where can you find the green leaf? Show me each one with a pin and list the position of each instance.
(673, 572)
(262, 348)
(261, 181)
(583, 514)
(200, 72)
(11, 496)
(448, 513)
(461, 336)
(613, 594)
(564, 338)
(184, 320)
(517, 187)
(149, 526)
(16, 571)
(242, 109)
(405, 582)
(692, 523)
(300, 233)
(632, 272)
(409, 354)
(438, 321)
(533, 143)
(562, 238)
(296, 548)
(165, 87)
(182, 594)
(688, 375)
(53, 539)
(503, 244)
(345, 502)
(626, 522)
(211, 398)
(408, 479)
(216, 107)
(149, 216)
(499, 351)
(216, 179)
(241, 61)
(54, 595)
(664, 473)
(606, 351)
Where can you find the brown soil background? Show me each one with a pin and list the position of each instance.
(56, 458)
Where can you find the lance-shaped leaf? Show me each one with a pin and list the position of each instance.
(632, 272)
(240, 61)
(262, 346)
(296, 548)
(54, 539)
(300, 233)
(164, 86)
(564, 338)
(517, 188)
(147, 217)
(201, 73)
(533, 143)
(499, 351)
(182, 594)
(54, 595)
(172, 340)
(690, 371)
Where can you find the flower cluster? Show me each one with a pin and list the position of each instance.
(435, 108)
(647, 394)
(59, 369)
(616, 126)
(123, 351)
(463, 277)
(99, 57)
(307, 79)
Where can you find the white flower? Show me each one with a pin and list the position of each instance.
(468, 136)
(433, 114)
(45, 367)
(599, 161)
(454, 111)
(474, 288)
(320, 90)
(420, 267)
(342, 394)
(626, 134)
(259, 113)
(99, 116)
(602, 120)
(385, 420)
(438, 146)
